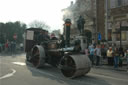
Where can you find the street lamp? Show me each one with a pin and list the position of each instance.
(106, 26)
(120, 36)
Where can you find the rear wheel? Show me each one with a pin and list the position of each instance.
(38, 56)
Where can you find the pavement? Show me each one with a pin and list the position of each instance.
(123, 68)
(104, 65)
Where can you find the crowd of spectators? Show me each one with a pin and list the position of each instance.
(115, 56)
(8, 47)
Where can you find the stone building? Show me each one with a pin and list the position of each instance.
(94, 18)
(117, 18)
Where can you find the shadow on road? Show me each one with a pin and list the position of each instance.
(55, 74)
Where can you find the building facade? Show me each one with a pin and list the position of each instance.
(117, 18)
(93, 13)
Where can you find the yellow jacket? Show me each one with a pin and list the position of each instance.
(109, 53)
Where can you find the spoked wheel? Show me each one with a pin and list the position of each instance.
(67, 66)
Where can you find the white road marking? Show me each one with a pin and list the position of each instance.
(9, 74)
(19, 63)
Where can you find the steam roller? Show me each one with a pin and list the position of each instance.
(71, 65)
(64, 54)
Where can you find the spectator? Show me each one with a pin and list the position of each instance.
(87, 51)
(110, 56)
(121, 53)
(6, 47)
(103, 51)
(126, 56)
(91, 56)
(98, 54)
(116, 58)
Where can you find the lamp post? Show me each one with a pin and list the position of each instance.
(95, 30)
(120, 36)
(106, 26)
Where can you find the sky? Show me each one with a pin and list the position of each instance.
(27, 11)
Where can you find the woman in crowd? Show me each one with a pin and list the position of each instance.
(110, 56)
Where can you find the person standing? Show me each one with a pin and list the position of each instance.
(116, 58)
(6, 46)
(87, 52)
(92, 52)
(121, 53)
(98, 54)
(126, 56)
(110, 56)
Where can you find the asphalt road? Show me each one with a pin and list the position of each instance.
(15, 71)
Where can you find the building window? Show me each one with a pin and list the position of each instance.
(123, 36)
(118, 37)
(119, 2)
(110, 35)
(112, 3)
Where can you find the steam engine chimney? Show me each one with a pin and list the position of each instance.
(67, 32)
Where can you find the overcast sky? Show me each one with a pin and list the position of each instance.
(27, 11)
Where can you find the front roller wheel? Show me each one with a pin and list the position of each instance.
(68, 66)
(75, 65)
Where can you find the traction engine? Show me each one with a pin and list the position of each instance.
(58, 53)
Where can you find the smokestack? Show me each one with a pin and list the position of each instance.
(67, 31)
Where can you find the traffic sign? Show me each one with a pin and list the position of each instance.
(15, 36)
(99, 36)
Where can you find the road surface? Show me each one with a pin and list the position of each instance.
(15, 71)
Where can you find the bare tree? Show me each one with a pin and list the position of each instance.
(39, 24)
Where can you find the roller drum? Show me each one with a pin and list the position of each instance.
(75, 65)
